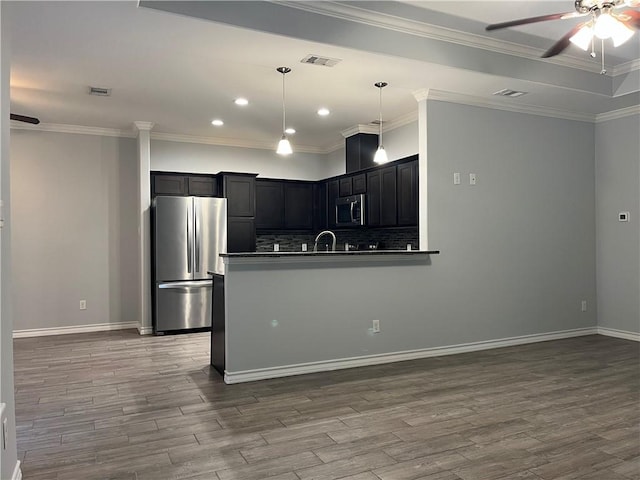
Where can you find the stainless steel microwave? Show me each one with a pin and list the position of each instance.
(350, 211)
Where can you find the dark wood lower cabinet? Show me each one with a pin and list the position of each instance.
(218, 325)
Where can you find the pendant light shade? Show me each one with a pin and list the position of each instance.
(284, 146)
(381, 155)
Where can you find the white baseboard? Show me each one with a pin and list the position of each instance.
(327, 365)
(613, 332)
(98, 327)
(17, 473)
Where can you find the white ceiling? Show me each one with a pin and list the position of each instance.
(181, 72)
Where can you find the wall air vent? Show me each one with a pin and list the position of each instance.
(506, 92)
(318, 60)
(99, 91)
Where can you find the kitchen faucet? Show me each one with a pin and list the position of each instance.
(325, 232)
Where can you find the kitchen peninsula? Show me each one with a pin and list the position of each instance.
(288, 313)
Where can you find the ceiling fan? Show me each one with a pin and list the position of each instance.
(24, 118)
(604, 21)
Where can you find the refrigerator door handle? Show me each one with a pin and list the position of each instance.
(185, 285)
(188, 241)
(196, 215)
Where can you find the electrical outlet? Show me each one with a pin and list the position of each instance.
(276, 247)
(375, 326)
(456, 178)
(583, 306)
(83, 304)
(304, 247)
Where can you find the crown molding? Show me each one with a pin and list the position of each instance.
(79, 129)
(443, 96)
(360, 128)
(417, 28)
(143, 126)
(229, 142)
(621, 113)
(625, 68)
(400, 121)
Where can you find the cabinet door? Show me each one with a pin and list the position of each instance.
(373, 198)
(241, 234)
(345, 187)
(168, 185)
(359, 184)
(202, 186)
(320, 206)
(269, 204)
(332, 194)
(239, 190)
(388, 197)
(408, 193)
(298, 206)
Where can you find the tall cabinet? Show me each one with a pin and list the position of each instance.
(240, 191)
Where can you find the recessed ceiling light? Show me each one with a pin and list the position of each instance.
(323, 112)
(290, 131)
(241, 101)
(217, 123)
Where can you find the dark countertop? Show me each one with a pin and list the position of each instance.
(351, 253)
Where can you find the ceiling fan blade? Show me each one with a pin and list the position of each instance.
(634, 19)
(24, 118)
(563, 43)
(526, 21)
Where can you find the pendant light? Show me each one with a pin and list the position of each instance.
(284, 146)
(381, 155)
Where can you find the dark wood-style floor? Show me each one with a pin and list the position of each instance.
(121, 406)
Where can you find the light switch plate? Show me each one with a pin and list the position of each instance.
(472, 179)
(456, 178)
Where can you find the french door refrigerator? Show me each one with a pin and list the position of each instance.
(189, 233)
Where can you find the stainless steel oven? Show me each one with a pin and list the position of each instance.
(350, 211)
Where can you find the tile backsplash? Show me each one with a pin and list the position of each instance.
(386, 238)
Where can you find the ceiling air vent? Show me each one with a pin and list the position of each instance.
(318, 60)
(99, 91)
(506, 92)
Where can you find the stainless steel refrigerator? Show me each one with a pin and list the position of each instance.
(189, 233)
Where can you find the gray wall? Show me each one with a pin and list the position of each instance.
(202, 158)
(74, 229)
(518, 254)
(618, 244)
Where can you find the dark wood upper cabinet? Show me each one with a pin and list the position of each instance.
(359, 184)
(373, 198)
(269, 204)
(381, 197)
(241, 234)
(359, 151)
(240, 192)
(320, 206)
(298, 206)
(345, 187)
(407, 177)
(332, 193)
(168, 185)
(388, 197)
(202, 186)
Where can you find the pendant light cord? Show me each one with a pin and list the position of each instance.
(380, 138)
(284, 122)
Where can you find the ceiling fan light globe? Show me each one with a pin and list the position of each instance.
(381, 156)
(620, 34)
(605, 26)
(284, 146)
(582, 39)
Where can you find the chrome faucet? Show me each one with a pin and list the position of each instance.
(325, 232)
